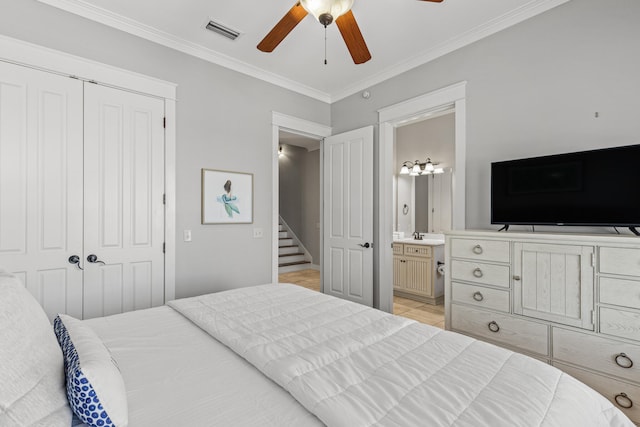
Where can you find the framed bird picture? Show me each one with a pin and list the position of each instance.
(227, 197)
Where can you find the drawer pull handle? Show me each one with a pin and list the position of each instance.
(623, 401)
(516, 278)
(477, 273)
(478, 297)
(493, 326)
(624, 361)
(477, 249)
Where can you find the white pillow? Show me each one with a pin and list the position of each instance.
(32, 388)
(95, 388)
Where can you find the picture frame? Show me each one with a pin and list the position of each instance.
(227, 197)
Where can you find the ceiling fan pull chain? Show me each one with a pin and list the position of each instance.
(325, 45)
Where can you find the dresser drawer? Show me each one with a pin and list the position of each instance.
(488, 274)
(398, 249)
(485, 250)
(620, 292)
(625, 261)
(598, 353)
(620, 323)
(518, 333)
(621, 394)
(417, 250)
(480, 296)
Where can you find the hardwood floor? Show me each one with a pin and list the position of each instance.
(416, 310)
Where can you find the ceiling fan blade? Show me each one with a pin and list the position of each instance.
(353, 38)
(282, 28)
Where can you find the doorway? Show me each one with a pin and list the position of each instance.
(299, 203)
(422, 200)
(297, 128)
(390, 118)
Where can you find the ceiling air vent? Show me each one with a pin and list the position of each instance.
(222, 30)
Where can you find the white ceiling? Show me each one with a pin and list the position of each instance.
(400, 34)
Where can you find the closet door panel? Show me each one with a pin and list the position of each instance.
(41, 184)
(13, 164)
(124, 211)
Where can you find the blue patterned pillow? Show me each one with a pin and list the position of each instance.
(95, 388)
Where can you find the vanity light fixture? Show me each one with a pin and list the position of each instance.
(420, 168)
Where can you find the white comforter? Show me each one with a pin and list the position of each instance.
(351, 365)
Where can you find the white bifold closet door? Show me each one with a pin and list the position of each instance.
(123, 206)
(81, 174)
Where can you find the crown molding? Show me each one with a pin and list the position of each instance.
(529, 10)
(103, 16)
(42, 58)
(114, 20)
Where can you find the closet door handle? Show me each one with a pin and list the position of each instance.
(75, 259)
(93, 259)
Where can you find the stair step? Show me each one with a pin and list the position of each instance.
(287, 241)
(292, 257)
(283, 234)
(286, 264)
(291, 254)
(292, 249)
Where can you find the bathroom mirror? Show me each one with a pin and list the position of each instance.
(424, 203)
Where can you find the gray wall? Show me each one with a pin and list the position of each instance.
(224, 122)
(300, 195)
(532, 90)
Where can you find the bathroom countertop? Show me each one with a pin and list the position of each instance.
(427, 242)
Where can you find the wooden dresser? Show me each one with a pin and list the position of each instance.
(414, 272)
(569, 300)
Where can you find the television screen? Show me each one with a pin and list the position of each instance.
(597, 187)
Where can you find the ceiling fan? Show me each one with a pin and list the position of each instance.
(326, 12)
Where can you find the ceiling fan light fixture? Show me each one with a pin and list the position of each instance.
(327, 11)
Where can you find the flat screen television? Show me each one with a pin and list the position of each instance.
(590, 188)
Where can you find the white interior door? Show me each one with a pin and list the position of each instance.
(123, 201)
(348, 215)
(41, 184)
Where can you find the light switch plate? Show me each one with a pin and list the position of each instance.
(257, 233)
(186, 235)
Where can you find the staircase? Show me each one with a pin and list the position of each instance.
(290, 256)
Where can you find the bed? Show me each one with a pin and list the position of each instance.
(273, 355)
